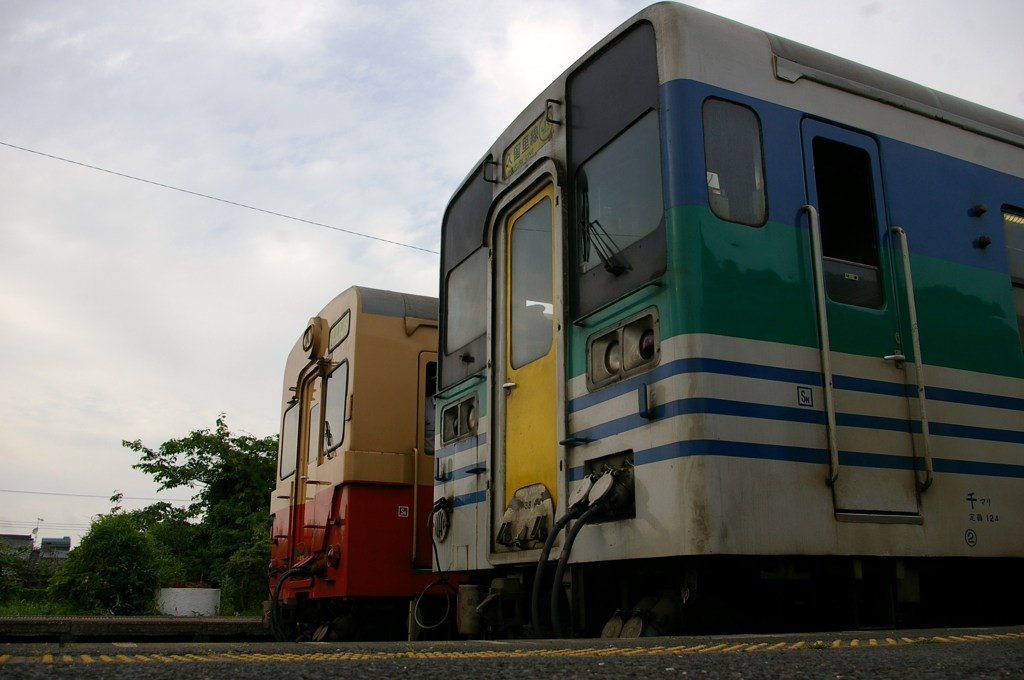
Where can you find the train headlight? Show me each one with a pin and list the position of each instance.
(613, 357)
(450, 424)
(630, 347)
(467, 415)
(459, 420)
(314, 338)
(647, 345)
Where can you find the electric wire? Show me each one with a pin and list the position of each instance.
(91, 495)
(221, 200)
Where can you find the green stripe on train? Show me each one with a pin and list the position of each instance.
(734, 280)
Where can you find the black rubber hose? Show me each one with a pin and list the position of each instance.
(563, 560)
(549, 542)
(275, 623)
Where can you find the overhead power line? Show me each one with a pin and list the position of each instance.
(221, 200)
(89, 495)
(20, 525)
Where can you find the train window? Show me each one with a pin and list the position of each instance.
(464, 274)
(466, 295)
(429, 413)
(531, 309)
(618, 196)
(335, 404)
(849, 230)
(618, 206)
(339, 331)
(1013, 226)
(289, 442)
(733, 162)
(614, 162)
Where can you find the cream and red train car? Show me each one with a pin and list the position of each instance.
(351, 548)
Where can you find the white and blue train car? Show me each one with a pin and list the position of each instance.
(731, 337)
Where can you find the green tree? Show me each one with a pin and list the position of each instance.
(114, 570)
(12, 564)
(231, 476)
(245, 579)
(179, 537)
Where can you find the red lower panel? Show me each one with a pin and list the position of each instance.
(369, 530)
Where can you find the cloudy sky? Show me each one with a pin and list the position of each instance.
(129, 310)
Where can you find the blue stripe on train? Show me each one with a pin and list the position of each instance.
(795, 454)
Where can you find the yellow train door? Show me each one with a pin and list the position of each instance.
(530, 421)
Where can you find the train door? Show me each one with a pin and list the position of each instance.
(306, 483)
(864, 357)
(308, 413)
(326, 406)
(529, 363)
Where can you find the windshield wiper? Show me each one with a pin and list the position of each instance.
(597, 237)
(594, 235)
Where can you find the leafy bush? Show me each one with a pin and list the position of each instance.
(11, 565)
(116, 569)
(245, 580)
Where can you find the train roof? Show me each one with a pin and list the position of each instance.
(390, 303)
(731, 54)
(721, 48)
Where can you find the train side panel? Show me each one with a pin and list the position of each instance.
(784, 307)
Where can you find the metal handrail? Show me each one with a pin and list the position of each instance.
(918, 364)
(826, 362)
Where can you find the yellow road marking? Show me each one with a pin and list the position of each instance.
(712, 648)
(614, 650)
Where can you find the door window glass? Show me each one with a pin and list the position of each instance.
(313, 439)
(531, 309)
(849, 229)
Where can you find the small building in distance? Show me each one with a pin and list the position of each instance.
(39, 562)
(55, 549)
(15, 542)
